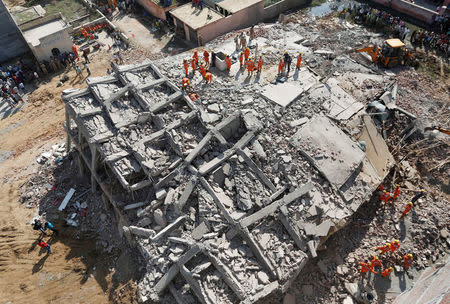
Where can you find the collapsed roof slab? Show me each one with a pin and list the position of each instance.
(282, 93)
(329, 149)
(340, 104)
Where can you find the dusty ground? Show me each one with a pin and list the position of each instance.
(26, 272)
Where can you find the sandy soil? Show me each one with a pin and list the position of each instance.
(27, 274)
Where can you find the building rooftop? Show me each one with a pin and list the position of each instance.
(37, 32)
(194, 17)
(234, 6)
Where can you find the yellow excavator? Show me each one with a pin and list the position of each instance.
(392, 54)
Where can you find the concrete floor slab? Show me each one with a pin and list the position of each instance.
(282, 93)
(331, 151)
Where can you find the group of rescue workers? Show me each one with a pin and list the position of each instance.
(252, 64)
(390, 248)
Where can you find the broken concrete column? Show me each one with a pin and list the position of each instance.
(140, 231)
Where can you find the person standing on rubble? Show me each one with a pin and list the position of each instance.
(408, 208)
(287, 61)
(228, 62)
(280, 67)
(236, 41)
(250, 67)
(206, 58)
(193, 64)
(407, 260)
(299, 60)
(37, 225)
(260, 64)
(213, 59)
(86, 67)
(186, 67)
(241, 60)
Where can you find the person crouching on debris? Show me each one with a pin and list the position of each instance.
(407, 260)
(387, 272)
(384, 249)
(185, 84)
(418, 195)
(51, 227)
(376, 261)
(394, 245)
(193, 96)
(396, 192)
(385, 196)
(408, 208)
(43, 244)
(37, 225)
(366, 267)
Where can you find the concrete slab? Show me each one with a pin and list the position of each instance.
(282, 93)
(329, 149)
(341, 105)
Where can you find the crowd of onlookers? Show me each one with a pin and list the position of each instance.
(12, 82)
(395, 27)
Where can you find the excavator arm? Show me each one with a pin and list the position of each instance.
(373, 51)
(442, 130)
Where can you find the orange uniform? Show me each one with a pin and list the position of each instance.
(384, 249)
(208, 77)
(376, 261)
(206, 57)
(387, 271)
(186, 67)
(260, 64)
(394, 245)
(193, 96)
(366, 267)
(385, 196)
(195, 57)
(193, 64)
(228, 62)
(185, 83)
(408, 208)
(202, 69)
(396, 193)
(246, 53)
(299, 60)
(241, 59)
(250, 66)
(280, 67)
(407, 260)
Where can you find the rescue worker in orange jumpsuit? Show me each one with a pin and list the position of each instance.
(185, 83)
(193, 96)
(208, 77)
(260, 64)
(206, 57)
(202, 69)
(250, 67)
(246, 53)
(195, 57)
(241, 60)
(408, 208)
(376, 261)
(280, 67)
(385, 196)
(228, 62)
(394, 245)
(186, 67)
(299, 60)
(384, 249)
(193, 65)
(387, 271)
(407, 260)
(366, 267)
(396, 192)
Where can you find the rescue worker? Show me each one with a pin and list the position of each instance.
(228, 62)
(385, 196)
(206, 57)
(394, 245)
(202, 69)
(193, 65)
(387, 271)
(185, 84)
(407, 260)
(384, 249)
(195, 57)
(241, 60)
(376, 261)
(408, 208)
(186, 67)
(396, 192)
(51, 227)
(299, 60)
(213, 59)
(208, 77)
(280, 67)
(246, 54)
(260, 64)
(193, 96)
(366, 267)
(37, 225)
(250, 67)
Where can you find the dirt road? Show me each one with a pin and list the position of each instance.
(27, 274)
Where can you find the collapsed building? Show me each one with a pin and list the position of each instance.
(193, 190)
